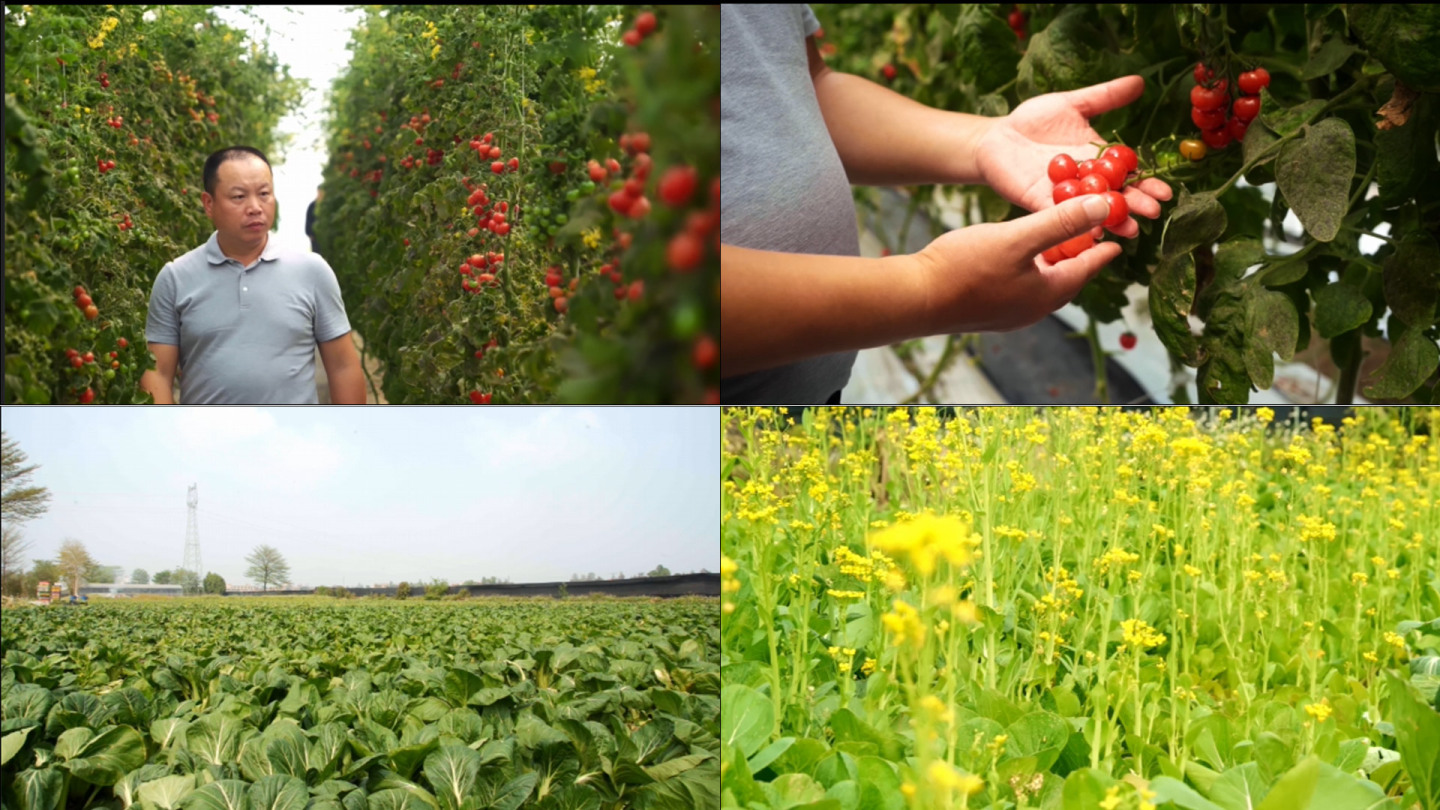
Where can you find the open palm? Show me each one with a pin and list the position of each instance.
(1014, 153)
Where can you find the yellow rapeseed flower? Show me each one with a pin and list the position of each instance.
(926, 538)
(1140, 635)
(949, 779)
(904, 624)
(1319, 711)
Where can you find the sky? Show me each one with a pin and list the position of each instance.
(357, 497)
(310, 40)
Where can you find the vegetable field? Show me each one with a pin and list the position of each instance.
(1080, 608)
(240, 705)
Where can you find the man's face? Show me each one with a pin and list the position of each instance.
(243, 207)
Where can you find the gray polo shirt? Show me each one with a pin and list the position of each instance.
(247, 335)
(785, 188)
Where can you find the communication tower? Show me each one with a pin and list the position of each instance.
(192, 536)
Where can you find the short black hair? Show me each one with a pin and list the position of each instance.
(212, 163)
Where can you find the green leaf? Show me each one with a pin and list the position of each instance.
(1293, 790)
(1179, 794)
(226, 794)
(1319, 198)
(1417, 734)
(1413, 358)
(395, 799)
(747, 721)
(1405, 159)
(452, 772)
(513, 793)
(769, 753)
(1412, 279)
(1172, 293)
(1273, 327)
(1339, 307)
(167, 792)
(11, 744)
(1239, 788)
(405, 760)
(279, 792)
(72, 741)
(1404, 38)
(879, 785)
(108, 756)
(40, 789)
(1085, 789)
(1197, 220)
(1039, 734)
(215, 738)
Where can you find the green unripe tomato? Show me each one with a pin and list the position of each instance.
(685, 322)
(109, 373)
(561, 219)
(572, 195)
(587, 187)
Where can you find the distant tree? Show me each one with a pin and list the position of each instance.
(74, 562)
(266, 567)
(402, 591)
(19, 501)
(660, 571)
(470, 582)
(12, 548)
(189, 581)
(139, 577)
(214, 583)
(163, 578)
(437, 588)
(102, 573)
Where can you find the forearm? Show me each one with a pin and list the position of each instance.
(347, 385)
(885, 139)
(158, 386)
(776, 308)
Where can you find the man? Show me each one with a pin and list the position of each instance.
(796, 299)
(240, 317)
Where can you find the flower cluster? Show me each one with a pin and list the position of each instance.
(926, 539)
(1140, 635)
(844, 658)
(1115, 558)
(904, 625)
(98, 41)
(1315, 528)
(1319, 711)
(728, 583)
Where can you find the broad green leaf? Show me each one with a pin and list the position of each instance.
(1319, 198)
(460, 684)
(452, 772)
(747, 721)
(511, 794)
(1239, 788)
(1417, 735)
(1405, 159)
(395, 799)
(1294, 789)
(1172, 293)
(226, 794)
(215, 738)
(72, 741)
(1039, 734)
(27, 700)
(1274, 327)
(1179, 794)
(769, 753)
(674, 767)
(879, 784)
(41, 789)
(1085, 789)
(108, 756)
(128, 786)
(357, 800)
(1413, 358)
(74, 710)
(1404, 38)
(11, 744)
(279, 792)
(1198, 219)
(168, 730)
(167, 792)
(1340, 307)
(1412, 279)
(532, 732)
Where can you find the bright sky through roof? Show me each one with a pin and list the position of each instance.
(357, 496)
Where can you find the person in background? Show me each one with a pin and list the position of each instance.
(310, 219)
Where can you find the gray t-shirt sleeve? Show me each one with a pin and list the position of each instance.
(812, 23)
(162, 323)
(330, 319)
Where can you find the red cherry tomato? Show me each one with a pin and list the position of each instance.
(1074, 247)
(1247, 107)
(1208, 119)
(1086, 167)
(1112, 170)
(1127, 341)
(1062, 167)
(1125, 155)
(1094, 184)
(1203, 98)
(1054, 255)
(1216, 138)
(1252, 82)
(1203, 74)
(1237, 128)
(1119, 209)
(1065, 189)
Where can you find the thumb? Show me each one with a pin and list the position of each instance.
(1077, 215)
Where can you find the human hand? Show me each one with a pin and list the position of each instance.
(1014, 152)
(991, 278)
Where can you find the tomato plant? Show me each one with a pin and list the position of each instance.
(1341, 135)
(104, 133)
(555, 88)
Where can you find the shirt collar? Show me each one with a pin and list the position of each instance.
(215, 255)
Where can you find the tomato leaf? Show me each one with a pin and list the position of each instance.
(1413, 358)
(1319, 198)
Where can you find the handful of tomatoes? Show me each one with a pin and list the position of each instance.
(1105, 175)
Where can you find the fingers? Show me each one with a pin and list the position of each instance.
(1102, 98)
(1058, 223)
(1065, 278)
(1155, 187)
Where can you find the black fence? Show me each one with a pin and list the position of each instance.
(679, 585)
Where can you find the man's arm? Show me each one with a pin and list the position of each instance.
(342, 366)
(783, 307)
(160, 381)
(885, 139)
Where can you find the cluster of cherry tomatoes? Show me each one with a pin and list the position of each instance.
(105, 165)
(644, 25)
(115, 121)
(1208, 100)
(1104, 175)
(87, 306)
(1017, 21)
